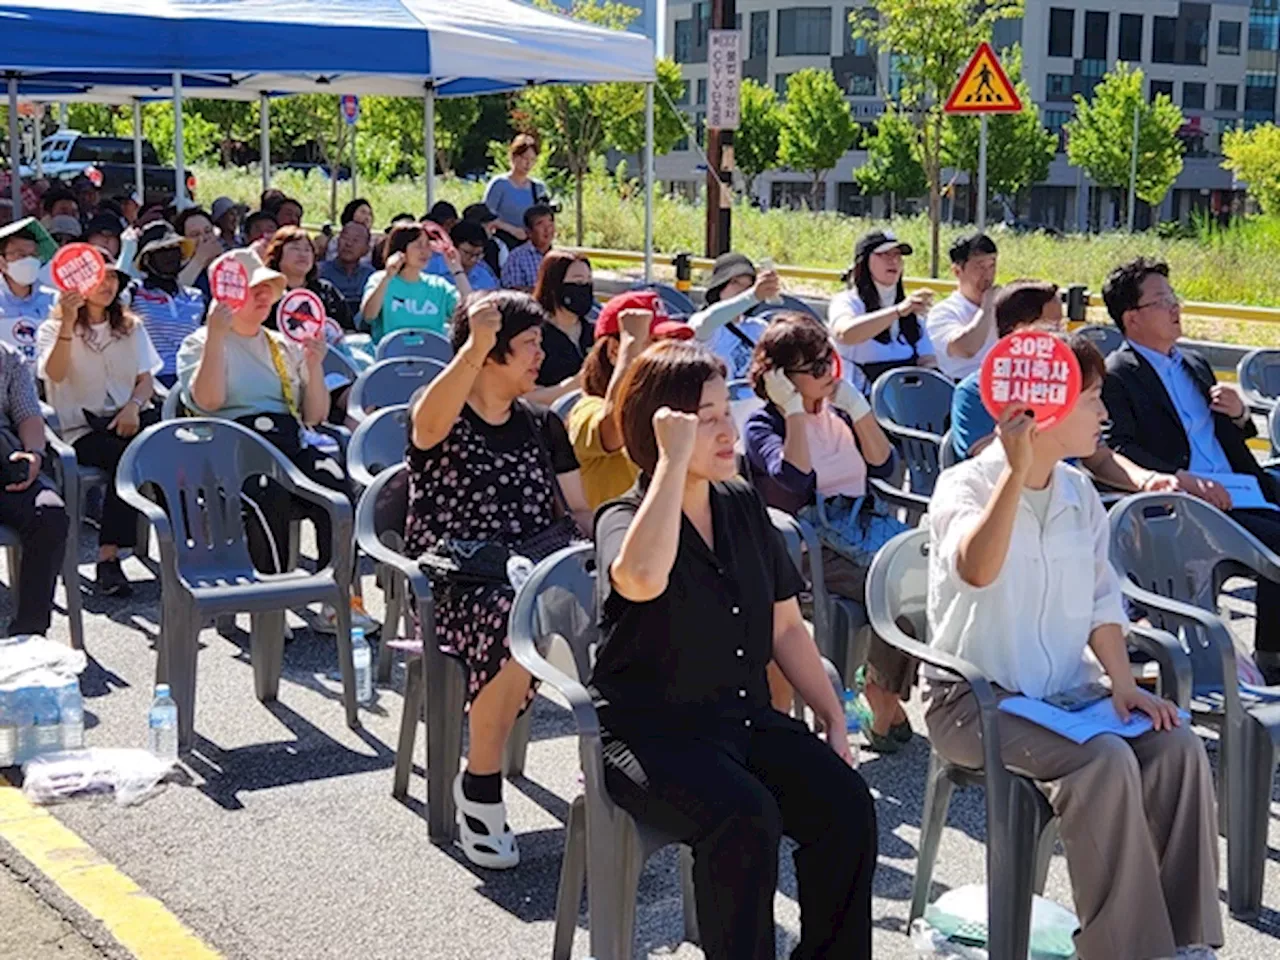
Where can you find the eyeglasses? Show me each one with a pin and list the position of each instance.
(1170, 302)
(819, 368)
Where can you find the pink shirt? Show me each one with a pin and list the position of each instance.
(835, 456)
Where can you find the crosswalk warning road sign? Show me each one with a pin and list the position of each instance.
(984, 87)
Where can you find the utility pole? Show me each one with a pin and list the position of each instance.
(720, 156)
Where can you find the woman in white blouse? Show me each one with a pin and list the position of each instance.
(1020, 584)
(876, 326)
(97, 363)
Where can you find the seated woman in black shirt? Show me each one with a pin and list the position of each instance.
(484, 465)
(696, 594)
(565, 290)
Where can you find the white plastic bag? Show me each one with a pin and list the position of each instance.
(132, 775)
(955, 925)
(24, 656)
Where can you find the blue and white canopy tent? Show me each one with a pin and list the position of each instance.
(253, 49)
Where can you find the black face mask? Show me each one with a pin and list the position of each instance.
(165, 263)
(577, 298)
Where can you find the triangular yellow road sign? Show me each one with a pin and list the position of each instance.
(984, 87)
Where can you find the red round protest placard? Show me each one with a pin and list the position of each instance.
(302, 315)
(78, 267)
(1032, 369)
(229, 281)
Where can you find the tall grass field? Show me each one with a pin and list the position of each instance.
(1237, 265)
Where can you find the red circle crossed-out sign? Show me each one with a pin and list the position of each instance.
(1032, 369)
(302, 315)
(78, 267)
(229, 281)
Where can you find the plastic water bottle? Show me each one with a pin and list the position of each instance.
(162, 723)
(8, 727)
(362, 657)
(852, 720)
(71, 712)
(47, 735)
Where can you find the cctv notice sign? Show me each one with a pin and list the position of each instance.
(724, 79)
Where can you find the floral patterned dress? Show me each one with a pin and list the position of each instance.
(484, 483)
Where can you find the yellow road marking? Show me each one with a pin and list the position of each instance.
(138, 921)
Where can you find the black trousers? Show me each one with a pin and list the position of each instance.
(103, 449)
(269, 546)
(732, 799)
(40, 518)
(1265, 525)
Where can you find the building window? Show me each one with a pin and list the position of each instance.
(1195, 39)
(683, 99)
(1193, 96)
(1131, 37)
(759, 34)
(1006, 33)
(780, 84)
(861, 86)
(683, 41)
(700, 128)
(1062, 28)
(1161, 86)
(1264, 28)
(1055, 121)
(895, 76)
(857, 46)
(701, 22)
(789, 195)
(1163, 31)
(1226, 96)
(1260, 94)
(1229, 37)
(1058, 87)
(1091, 73)
(851, 201)
(1096, 25)
(804, 31)
(702, 93)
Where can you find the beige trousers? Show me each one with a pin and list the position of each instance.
(1137, 821)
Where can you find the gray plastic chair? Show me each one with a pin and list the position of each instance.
(335, 363)
(186, 477)
(789, 304)
(565, 404)
(379, 442)
(1107, 338)
(424, 344)
(388, 383)
(1020, 824)
(947, 454)
(1173, 554)
(430, 673)
(913, 406)
(1259, 375)
(553, 636)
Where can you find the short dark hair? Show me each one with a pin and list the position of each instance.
(257, 217)
(24, 234)
(969, 246)
(180, 221)
(282, 238)
(791, 340)
(670, 373)
(441, 212)
(468, 231)
(54, 195)
(520, 312)
(400, 237)
(1020, 303)
(1122, 290)
(551, 274)
(1093, 368)
(291, 200)
(536, 213)
(271, 198)
(349, 211)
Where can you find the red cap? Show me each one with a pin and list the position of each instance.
(662, 327)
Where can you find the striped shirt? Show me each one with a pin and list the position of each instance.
(18, 399)
(521, 269)
(168, 319)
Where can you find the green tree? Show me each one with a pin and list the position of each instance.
(755, 142)
(1019, 148)
(235, 120)
(1100, 136)
(1254, 157)
(578, 123)
(932, 40)
(817, 126)
(199, 136)
(627, 132)
(313, 120)
(893, 159)
(391, 134)
(95, 118)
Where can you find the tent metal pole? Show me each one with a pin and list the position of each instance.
(264, 139)
(15, 154)
(648, 182)
(37, 138)
(179, 161)
(429, 138)
(139, 180)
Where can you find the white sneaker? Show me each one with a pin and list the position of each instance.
(486, 836)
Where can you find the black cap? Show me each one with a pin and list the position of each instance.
(727, 267)
(880, 241)
(478, 213)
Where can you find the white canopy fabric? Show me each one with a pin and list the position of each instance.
(241, 48)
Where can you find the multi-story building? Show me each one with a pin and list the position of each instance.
(1217, 60)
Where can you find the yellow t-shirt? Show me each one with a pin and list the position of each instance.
(605, 475)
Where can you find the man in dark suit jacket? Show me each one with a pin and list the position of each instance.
(1169, 414)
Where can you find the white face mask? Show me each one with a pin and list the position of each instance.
(23, 272)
